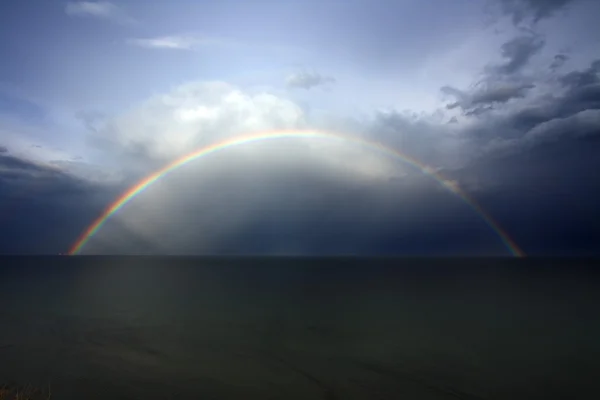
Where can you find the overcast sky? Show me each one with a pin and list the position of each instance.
(502, 97)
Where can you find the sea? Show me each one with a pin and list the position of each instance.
(89, 327)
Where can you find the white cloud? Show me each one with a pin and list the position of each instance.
(98, 9)
(173, 42)
(197, 114)
(193, 114)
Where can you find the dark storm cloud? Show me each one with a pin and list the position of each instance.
(3, 149)
(539, 159)
(569, 112)
(291, 211)
(581, 126)
(488, 94)
(558, 62)
(259, 209)
(308, 80)
(43, 209)
(522, 11)
(376, 220)
(425, 138)
(580, 92)
(586, 78)
(500, 83)
(295, 209)
(546, 196)
(21, 168)
(517, 52)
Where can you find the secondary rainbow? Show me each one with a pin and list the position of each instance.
(256, 137)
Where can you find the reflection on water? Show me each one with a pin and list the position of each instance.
(279, 328)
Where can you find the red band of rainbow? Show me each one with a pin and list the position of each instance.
(241, 140)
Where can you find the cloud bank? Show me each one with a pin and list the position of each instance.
(531, 11)
(43, 207)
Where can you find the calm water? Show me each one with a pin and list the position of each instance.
(178, 328)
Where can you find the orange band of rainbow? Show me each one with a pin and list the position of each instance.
(241, 140)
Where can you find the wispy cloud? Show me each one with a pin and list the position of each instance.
(308, 80)
(98, 9)
(174, 42)
(195, 41)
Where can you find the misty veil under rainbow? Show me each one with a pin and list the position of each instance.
(139, 187)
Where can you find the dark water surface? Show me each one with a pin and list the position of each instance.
(282, 328)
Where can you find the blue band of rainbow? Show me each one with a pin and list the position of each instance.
(241, 140)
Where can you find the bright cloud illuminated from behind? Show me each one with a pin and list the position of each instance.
(170, 125)
(198, 114)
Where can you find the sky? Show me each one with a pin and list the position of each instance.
(497, 102)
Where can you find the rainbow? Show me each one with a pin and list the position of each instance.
(256, 137)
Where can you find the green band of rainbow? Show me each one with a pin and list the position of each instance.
(240, 140)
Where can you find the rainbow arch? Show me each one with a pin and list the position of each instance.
(139, 187)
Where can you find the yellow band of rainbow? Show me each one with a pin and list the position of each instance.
(256, 137)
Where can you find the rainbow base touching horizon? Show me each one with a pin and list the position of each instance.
(240, 140)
